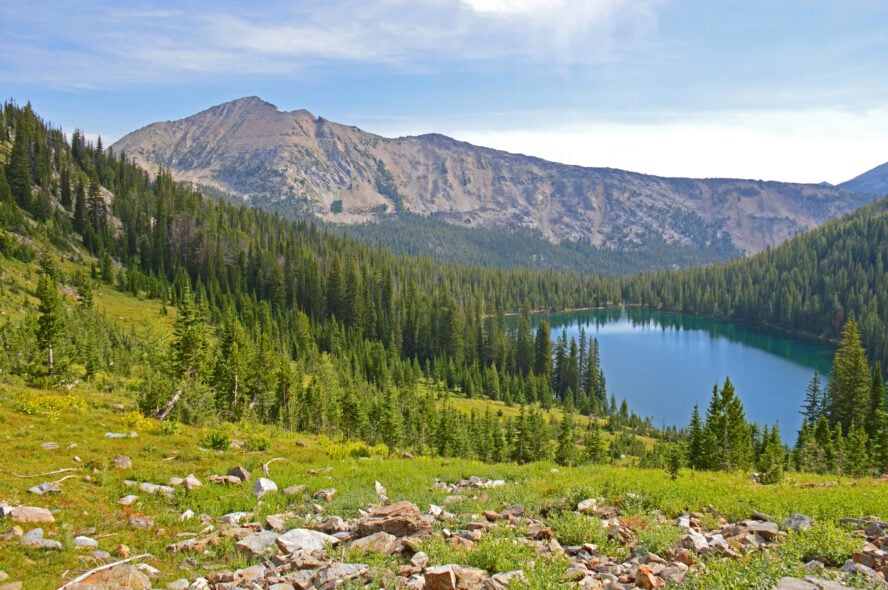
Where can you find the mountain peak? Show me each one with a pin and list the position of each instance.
(297, 162)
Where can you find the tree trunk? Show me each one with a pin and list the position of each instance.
(169, 407)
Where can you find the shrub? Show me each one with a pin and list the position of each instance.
(258, 442)
(824, 541)
(216, 439)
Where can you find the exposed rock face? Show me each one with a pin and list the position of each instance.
(296, 161)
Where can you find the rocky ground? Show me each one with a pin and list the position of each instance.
(290, 551)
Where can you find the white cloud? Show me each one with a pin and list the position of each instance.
(798, 146)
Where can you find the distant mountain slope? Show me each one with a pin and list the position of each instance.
(809, 285)
(296, 162)
(873, 181)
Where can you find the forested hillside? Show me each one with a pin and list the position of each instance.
(280, 322)
(809, 285)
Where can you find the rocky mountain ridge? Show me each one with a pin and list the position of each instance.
(296, 162)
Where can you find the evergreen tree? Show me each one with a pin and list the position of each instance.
(770, 464)
(696, 441)
(727, 430)
(877, 401)
(594, 444)
(189, 338)
(49, 322)
(18, 171)
(65, 182)
(812, 407)
(542, 361)
(849, 386)
(80, 207)
(565, 452)
(857, 460)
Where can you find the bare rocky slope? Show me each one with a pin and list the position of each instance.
(294, 161)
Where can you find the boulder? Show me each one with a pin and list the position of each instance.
(305, 540)
(400, 519)
(234, 518)
(85, 542)
(46, 487)
(440, 578)
(123, 462)
(263, 486)
(121, 577)
(240, 473)
(797, 522)
(34, 539)
(587, 506)
(766, 530)
(31, 514)
(258, 544)
(502, 581)
(294, 490)
(191, 482)
(380, 542)
(326, 494)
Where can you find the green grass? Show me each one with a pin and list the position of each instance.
(90, 500)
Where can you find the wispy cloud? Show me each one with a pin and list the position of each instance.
(152, 42)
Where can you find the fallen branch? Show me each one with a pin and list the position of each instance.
(96, 570)
(161, 415)
(63, 470)
(265, 466)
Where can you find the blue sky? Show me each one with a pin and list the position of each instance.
(792, 90)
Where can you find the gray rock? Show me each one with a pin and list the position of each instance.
(695, 542)
(121, 577)
(234, 518)
(767, 530)
(127, 500)
(11, 586)
(199, 584)
(587, 506)
(294, 490)
(115, 435)
(49, 446)
(263, 486)
(85, 542)
(46, 487)
(304, 539)
(153, 488)
(240, 472)
(180, 584)
(282, 586)
(191, 482)
(34, 539)
(141, 522)
(187, 515)
(3, 576)
(797, 522)
(26, 514)
(858, 569)
(380, 542)
(326, 494)
(258, 544)
(123, 462)
(503, 580)
(337, 572)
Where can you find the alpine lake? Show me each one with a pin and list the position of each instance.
(663, 363)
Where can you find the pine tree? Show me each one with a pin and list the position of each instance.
(877, 401)
(189, 338)
(18, 171)
(857, 460)
(770, 465)
(565, 451)
(849, 386)
(727, 431)
(542, 361)
(65, 181)
(594, 444)
(696, 441)
(80, 207)
(49, 322)
(813, 404)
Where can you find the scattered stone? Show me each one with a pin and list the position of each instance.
(587, 506)
(191, 482)
(858, 569)
(11, 586)
(240, 473)
(123, 462)
(151, 572)
(47, 487)
(440, 578)
(82, 542)
(127, 500)
(326, 494)
(234, 518)
(49, 446)
(263, 486)
(502, 581)
(258, 544)
(187, 515)
(225, 479)
(153, 488)
(294, 490)
(115, 435)
(767, 530)
(3, 576)
(380, 542)
(34, 539)
(26, 514)
(305, 540)
(381, 492)
(137, 521)
(400, 519)
(337, 573)
(121, 577)
(180, 584)
(797, 522)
